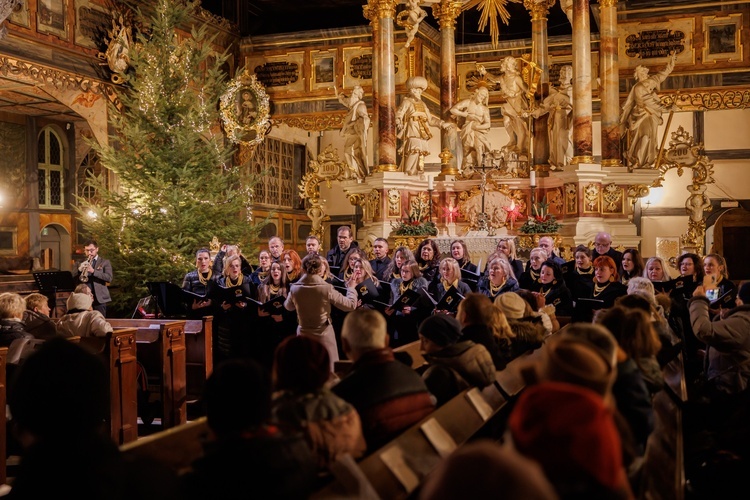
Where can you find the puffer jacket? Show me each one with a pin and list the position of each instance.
(83, 324)
(458, 367)
(331, 425)
(728, 342)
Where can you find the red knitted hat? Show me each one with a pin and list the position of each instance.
(570, 432)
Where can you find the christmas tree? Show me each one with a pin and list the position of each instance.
(176, 185)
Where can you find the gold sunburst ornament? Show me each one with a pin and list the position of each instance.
(490, 11)
(245, 110)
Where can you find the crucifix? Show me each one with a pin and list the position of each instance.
(485, 170)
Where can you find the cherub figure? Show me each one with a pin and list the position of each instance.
(410, 18)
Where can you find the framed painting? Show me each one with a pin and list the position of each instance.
(722, 38)
(51, 18)
(245, 110)
(323, 69)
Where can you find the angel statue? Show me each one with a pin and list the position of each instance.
(410, 18)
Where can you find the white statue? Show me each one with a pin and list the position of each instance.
(558, 104)
(641, 116)
(6, 9)
(413, 121)
(410, 18)
(354, 129)
(474, 120)
(513, 88)
(567, 7)
(697, 203)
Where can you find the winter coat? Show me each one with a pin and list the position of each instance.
(728, 342)
(83, 324)
(458, 367)
(331, 425)
(388, 395)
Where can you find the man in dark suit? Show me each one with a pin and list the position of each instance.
(98, 275)
(603, 246)
(381, 261)
(345, 241)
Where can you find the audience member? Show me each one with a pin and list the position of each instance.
(81, 320)
(479, 324)
(453, 364)
(36, 318)
(59, 403)
(248, 454)
(388, 395)
(12, 307)
(331, 426)
(528, 329)
(481, 468)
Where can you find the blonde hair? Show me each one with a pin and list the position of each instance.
(35, 300)
(12, 306)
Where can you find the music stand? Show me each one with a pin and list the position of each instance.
(50, 283)
(169, 298)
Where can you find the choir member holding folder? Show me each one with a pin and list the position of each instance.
(275, 322)
(408, 307)
(449, 280)
(200, 282)
(232, 295)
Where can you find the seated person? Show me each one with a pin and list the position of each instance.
(453, 364)
(59, 402)
(36, 317)
(388, 395)
(248, 454)
(12, 307)
(81, 320)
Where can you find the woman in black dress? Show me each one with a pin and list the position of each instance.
(580, 275)
(500, 279)
(606, 289)
(274, 327)
(715, 268)
(529, 279)
(233, 336)
(449, 277)
(402, 325)
(554, 290)
(428, 258)
(631, 266)
(264, 264)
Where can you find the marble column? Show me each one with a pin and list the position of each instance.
(539, 9)
(385, 11)
(371, 15)
(582, 109)
(446, 13)
(610, 84)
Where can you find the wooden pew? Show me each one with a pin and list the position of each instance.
(3, 420)
(413, 349)
(162, 350)
(459, 418)
(664, 460)
(175, 448)
(198, 349)
(119, 352)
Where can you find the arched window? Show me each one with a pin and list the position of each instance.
(50, 158)
(89, 169)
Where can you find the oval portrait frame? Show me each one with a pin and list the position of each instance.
(245, 110)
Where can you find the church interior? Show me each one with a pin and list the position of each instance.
(477, 120)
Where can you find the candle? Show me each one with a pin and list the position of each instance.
(430, 182)
(532, 177)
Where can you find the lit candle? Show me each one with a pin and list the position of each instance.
(430, 182)
(532, 178)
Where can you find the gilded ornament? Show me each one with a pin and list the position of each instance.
(608, 3)
(313, 123)
(709, 100)
(245, 110)
(394, 203)
(591, 194)
(327, 168)
(612, 196)
(446, 12)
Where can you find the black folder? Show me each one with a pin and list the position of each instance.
(448, 302)
(273, 306)
(367, 291)
(663, 286)
(727, 300)
(471, 278)
(230, 295)
(406, 299)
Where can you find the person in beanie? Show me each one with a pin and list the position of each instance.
(570, 431)
(81, 320)
(528, 330)
(454, 364)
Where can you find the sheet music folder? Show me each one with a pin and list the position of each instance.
(170, 298)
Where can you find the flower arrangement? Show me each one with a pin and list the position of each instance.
(417, 223)
(541, 221)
